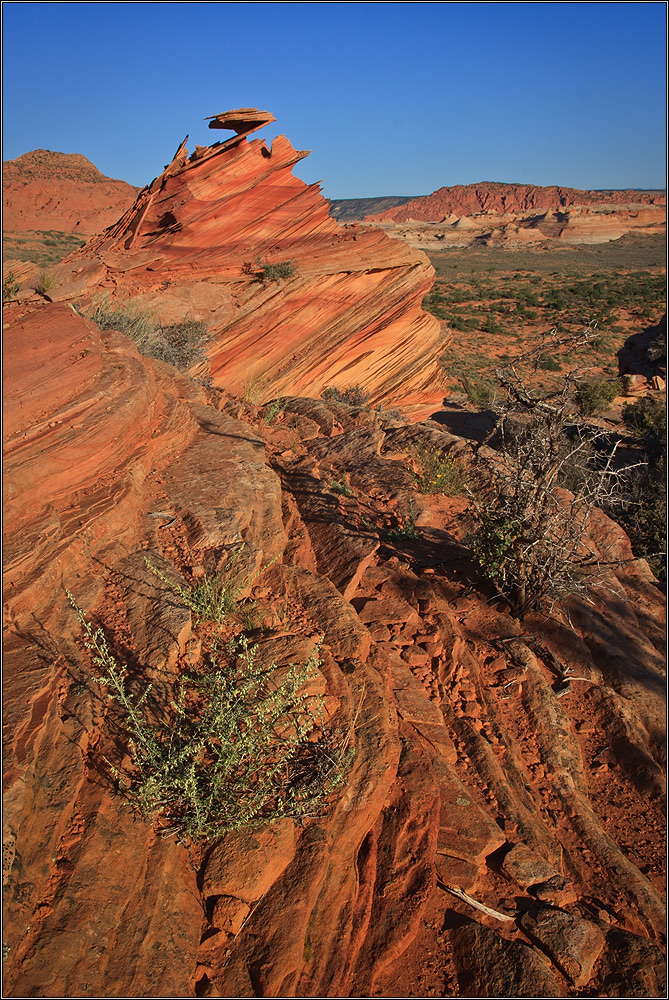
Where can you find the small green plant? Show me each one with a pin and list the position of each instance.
(343, 487)
(273, 410)
(179, 344)
(213, 598)
(406, 532)
(10, 287)
(352, 395)
(239, 744)
(595, 394)
(441, 473)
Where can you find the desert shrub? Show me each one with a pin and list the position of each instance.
(236, 746)
(441, 473)
(352, 395)
(480, 394)
(463, 323)
(548, 363)
(531, 536)
(179, 344)
(10, 287)
(595, 394)
(264, 271)
(644, 512)
(646, 419)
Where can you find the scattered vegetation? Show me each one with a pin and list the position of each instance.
(238, 745)
(43, 247)
(352, 395)
(441, 473)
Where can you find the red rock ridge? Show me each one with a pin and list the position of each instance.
(470, 199)
(517, 762)
(43, 190)
(350, 312)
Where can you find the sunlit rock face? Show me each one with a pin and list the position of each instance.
(347, 309)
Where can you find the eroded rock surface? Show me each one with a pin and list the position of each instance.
(475, 769)
(292, 301)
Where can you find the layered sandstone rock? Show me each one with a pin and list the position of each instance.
(197, 243)
(472, 199)
(43, 190)
(519, 762)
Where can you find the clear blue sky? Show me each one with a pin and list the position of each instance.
(392, 98)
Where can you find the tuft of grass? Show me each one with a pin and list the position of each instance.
(441, 473)
(238, 745)
(44, 283)
(179, 344)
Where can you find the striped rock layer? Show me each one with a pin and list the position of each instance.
(194, 245)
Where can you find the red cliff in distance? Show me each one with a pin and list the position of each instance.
(194, 245)
(470, 199)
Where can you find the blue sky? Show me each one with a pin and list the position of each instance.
(392, 98)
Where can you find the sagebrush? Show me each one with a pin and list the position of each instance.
(237, 745)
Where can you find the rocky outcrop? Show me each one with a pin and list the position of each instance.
(514, 766)
(472, 199)
(292, 301)
(43, 190)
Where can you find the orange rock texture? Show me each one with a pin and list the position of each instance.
(517, 762)
(470, 199)
(43, 190)
(197, 242)
(514, 766)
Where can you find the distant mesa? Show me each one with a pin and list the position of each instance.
(491, 196)
(241, 120)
